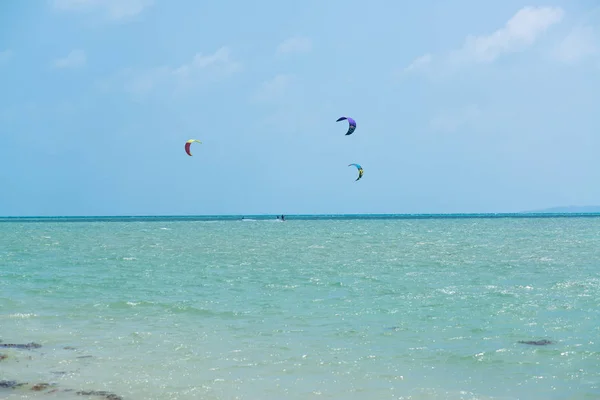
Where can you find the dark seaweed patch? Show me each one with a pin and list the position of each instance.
(27, 346)
(543, 342)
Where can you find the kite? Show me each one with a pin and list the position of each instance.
(188, 144)
(351, 124)
(360, 170)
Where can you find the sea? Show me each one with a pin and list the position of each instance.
(314, 307)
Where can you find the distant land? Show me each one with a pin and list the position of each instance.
(567, 210)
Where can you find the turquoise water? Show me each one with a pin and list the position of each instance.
(304, 309)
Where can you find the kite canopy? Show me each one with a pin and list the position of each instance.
(188, 144)
(351, 124)
(360, 170)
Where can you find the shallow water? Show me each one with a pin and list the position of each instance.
(316, 309)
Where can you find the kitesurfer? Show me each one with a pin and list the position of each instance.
(188, 144)
(351, 124)
(360, 170)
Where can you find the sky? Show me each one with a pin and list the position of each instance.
(462, 106)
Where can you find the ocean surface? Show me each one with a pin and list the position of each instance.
(309, 308)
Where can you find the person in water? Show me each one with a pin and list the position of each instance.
(282, 217)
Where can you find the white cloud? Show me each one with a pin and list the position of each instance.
(296, 44)
(419, 63)
(74, 59)
(5, 56)
(275, 88)
(520, 32)
(114, 9)
(580, 43)
(200, 68)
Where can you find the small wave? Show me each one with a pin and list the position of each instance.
(125, 304)
(527, 287)
(176, 308)
(22, 316)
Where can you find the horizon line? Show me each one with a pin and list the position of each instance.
(324, 216)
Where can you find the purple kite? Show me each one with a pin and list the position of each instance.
(351, 124)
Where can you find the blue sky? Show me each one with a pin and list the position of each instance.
(462, 106)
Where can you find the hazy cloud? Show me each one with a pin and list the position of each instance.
(419, 62)
(520, 32)
(5, 56)
(74, 59)
(114, 9)
(201, 68)
(580, 43)
(296, 44)
(451, 120)
(275, 88)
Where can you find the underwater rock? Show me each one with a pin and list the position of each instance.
(542, 342)
(27, 346)
(106, 395)
(10, 384)
(39, 387)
